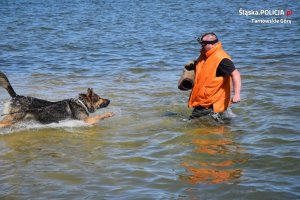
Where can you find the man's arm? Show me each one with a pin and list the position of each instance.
(237, 84)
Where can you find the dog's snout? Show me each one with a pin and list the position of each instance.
(105, 103)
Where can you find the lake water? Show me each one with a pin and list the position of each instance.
(133, 52)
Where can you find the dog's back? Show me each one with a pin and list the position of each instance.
(21, 107)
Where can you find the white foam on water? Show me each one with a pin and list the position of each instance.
(6, 107)
(229, 114)
(61, 124)
(33, 125)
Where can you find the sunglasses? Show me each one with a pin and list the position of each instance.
(204, 43)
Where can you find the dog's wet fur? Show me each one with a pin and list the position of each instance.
(22, 108)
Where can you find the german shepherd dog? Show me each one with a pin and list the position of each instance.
(29, 108)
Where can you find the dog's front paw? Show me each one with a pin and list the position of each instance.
(110, 114)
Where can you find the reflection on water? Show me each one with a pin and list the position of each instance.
(211, 176)
(217, 157)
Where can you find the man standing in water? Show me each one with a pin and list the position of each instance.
(214, 71)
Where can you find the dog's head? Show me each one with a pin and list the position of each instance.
(93, 101)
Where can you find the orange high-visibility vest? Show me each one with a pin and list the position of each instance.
(210, 90)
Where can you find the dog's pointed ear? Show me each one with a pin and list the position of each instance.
(90, 93)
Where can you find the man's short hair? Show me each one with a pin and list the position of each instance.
(203, 43)
(210, 33)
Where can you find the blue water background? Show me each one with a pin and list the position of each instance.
(133, 53)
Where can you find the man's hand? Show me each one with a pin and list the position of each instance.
(190, 65)
(236, 99)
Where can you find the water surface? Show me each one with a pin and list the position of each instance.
(133, 54)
